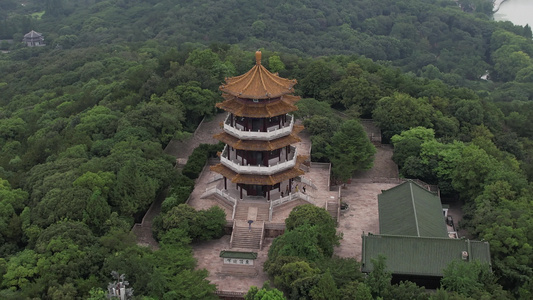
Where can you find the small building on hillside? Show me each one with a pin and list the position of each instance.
(415, 239)
(33, 39)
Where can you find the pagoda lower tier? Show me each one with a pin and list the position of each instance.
(254, 182)
(259, 162)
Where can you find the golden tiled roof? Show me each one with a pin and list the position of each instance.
(258, 83)
(261, 179)
(254, 145)
(263, 109)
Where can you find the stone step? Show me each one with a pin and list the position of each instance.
(332, 209)
(239, 270)
(261, 216)
(244, 210)
(246, 245)
(243, 237)
(248, 230)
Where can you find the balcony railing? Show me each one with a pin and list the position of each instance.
(273, 132)
(256, 169)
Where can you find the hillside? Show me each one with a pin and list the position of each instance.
(83, 122)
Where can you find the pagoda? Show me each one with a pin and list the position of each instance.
(259, 158)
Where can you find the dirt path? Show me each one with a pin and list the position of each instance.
(181, 150)
(383, 166)
(203, 135)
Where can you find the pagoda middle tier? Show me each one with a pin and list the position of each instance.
(260, 145)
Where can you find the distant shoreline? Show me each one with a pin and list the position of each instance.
(497, 5)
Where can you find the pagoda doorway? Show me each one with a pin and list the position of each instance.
(257, 124)
(256, 190)
(256, 158)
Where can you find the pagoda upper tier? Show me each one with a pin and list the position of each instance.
(262, 109)
(258, 83)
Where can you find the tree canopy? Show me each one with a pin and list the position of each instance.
(84, 121)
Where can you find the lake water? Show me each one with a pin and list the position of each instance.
(520, 12)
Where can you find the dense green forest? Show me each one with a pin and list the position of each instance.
(84, 120)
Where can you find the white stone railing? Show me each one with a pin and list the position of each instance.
(232, 232)
(258, 170)
(307, 181)
(290, 197)
(234, 210)
(272, 133)
(270, 212)
(262, 236)
(226, 195)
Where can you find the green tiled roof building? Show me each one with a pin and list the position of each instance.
(414, 238)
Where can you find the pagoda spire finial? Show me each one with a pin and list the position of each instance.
(258, 57)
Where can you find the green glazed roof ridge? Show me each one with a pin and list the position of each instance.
(411, 181)
(423, 237)
(238, 254)
(414, 208)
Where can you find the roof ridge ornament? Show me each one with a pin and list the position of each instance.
(258, 57)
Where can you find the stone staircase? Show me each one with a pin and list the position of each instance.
(332, 208)
(256, 211)
(239, 271)
(244, 237)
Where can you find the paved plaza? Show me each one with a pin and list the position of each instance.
(361, 195)
(361, 217)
